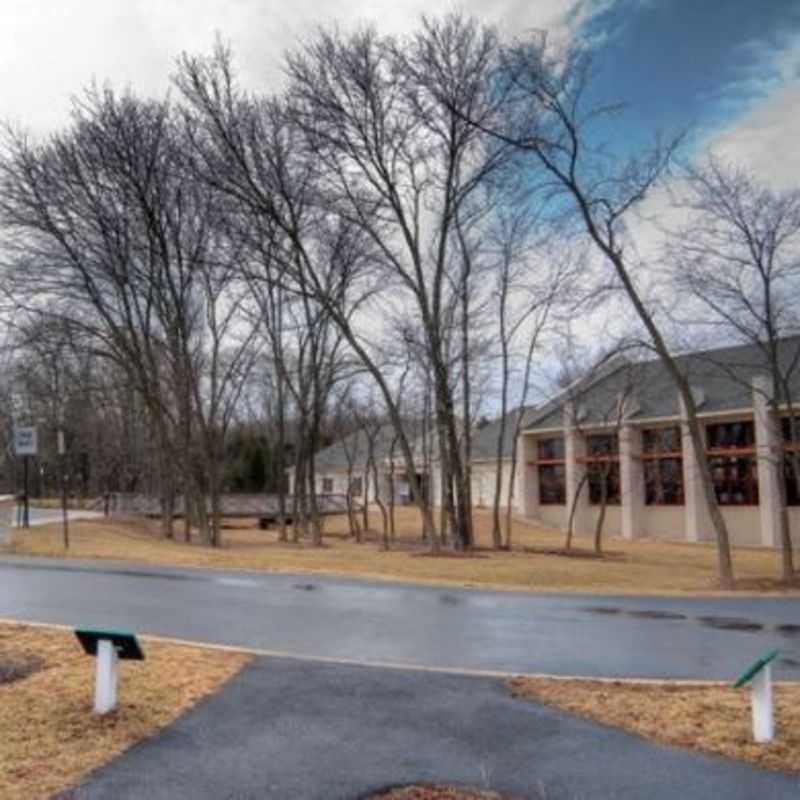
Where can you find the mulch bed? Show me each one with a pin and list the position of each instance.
(450, 554)
(424, 791)
(576, 552)
(14, 668)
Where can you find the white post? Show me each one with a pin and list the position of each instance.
(761, 696)
(105, 683)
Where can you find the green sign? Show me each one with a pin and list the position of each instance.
(755, 668)
(125, 643)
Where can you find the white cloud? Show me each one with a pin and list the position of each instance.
(764, 135)
(765, 138)
(50, 51)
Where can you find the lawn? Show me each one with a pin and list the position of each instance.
(51, 737)
(710, 718)
(647, 567)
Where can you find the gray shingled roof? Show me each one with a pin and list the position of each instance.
(721, 380)
(484, 441)
(336, 456)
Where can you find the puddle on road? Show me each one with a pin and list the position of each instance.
(602, 610)
(653, 614)
(449, 600)
(730, 623)
(720, 623)
(304, 587)
(789, 663)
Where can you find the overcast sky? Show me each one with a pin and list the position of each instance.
(730, 69)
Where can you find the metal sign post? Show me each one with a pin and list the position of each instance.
(26, 444)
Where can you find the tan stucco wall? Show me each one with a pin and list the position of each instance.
(341, 482)
(668, 523)
(553, 516)
(744, 524)
(663, 522)
(483, 484)
(612, 524)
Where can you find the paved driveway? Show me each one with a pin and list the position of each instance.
(303, 731)
(412, 625)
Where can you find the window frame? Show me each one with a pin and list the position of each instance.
(596, 457)
(548, 464)
(729, 457)
(653, 454)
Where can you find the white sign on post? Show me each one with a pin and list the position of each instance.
(106, 677)
(26, 441)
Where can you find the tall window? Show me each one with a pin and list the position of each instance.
(791, 447)
(663, 466)
(551, 465)
(732, 459)
(327, 485)
(602, 465)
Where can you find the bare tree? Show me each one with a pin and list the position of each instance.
(738, 255)
(547, 121)
(531, 273)
(105, 231)
(254, 153)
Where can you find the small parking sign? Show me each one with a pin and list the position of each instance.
(26, 441)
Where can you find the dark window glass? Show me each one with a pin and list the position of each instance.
(604, 472)
(552, 484)
(663, 481)
(730, 435)
(792, 491)
(662, 440)
(551, 449)
(787, 429)
(735, 480)
(327, 485)
(356, 487)
(602, 444)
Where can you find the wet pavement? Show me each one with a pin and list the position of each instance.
(459, 629)
(303, 730)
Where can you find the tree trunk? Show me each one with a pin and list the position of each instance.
(572, 509)
(598, 528)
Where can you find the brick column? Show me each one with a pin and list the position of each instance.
(575, 448)
(526, 489)
(631, 472)
(697, 520)
(769, 451)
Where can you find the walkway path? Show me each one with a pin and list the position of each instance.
(310, 731)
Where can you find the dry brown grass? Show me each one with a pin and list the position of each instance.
(50, 737)
(709, 718)
(55, 502)
(641, 567)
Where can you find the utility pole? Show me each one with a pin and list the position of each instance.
(62, 457)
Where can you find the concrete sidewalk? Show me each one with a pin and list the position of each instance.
(284, 729)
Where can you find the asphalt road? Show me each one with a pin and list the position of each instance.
(302, 730)
(314, 617)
